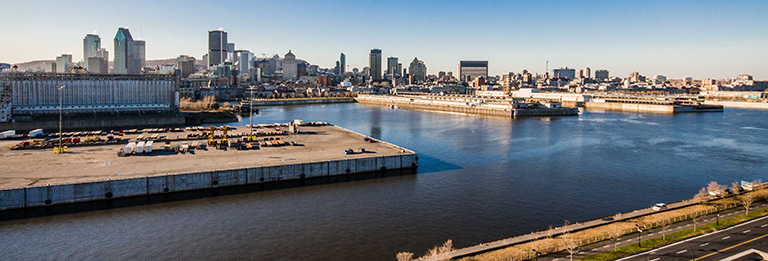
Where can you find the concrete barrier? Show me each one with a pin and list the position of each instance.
(12, 198)
(101, 190)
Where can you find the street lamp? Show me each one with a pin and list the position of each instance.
(536, 254)
(639, 235)
(61, 105)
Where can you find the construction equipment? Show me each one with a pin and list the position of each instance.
(225, 129)
(211, 130)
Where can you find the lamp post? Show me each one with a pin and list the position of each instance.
(639, 235)
(61, 105)
(536, 254)
(250, 106)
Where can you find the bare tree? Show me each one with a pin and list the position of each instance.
(437, 250)
(700, 197)
(716, 189)
(746, 201)
(695, 219)
(735, 188)
(614, 235)
(570, 244)
(404, 256)
(665, 224)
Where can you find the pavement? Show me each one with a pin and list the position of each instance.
(39, 167)
(712, 243)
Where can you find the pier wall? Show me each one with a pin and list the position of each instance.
(278, 102)
(631, 107)
(407, 104)
(36, 196)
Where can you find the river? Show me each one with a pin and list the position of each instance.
(479, 179)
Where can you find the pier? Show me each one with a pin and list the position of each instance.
(488, 106)
(34, 178)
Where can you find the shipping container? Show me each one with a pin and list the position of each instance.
(148, 146)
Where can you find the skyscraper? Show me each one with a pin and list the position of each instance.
(374, 62)
(91, 45)
(392, 67)
(601, 75)
(290, 69)
(231, 53)
(342, 64)
(125, 62)
(139, 56)
(217, 47)
(418, 70)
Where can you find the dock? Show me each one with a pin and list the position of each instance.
(38, 177)
(488, 106)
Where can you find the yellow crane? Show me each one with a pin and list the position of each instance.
(224, 129)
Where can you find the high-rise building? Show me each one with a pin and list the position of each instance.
(564, 73)
(602, 75)
(231, 53)
(91, 46)
(125, 60)
(217, 47)
(97, 65)
(342, 64)
(139, 55)
(469, 70)
(243, 60)
(587, 73)
(374, 62)
(63, 63)
(634, 76)
(392, 67)
(290, 69)
(418, 71)
(186, 65)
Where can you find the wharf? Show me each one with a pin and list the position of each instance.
(301, 101)
(32, 178)
(467, 104)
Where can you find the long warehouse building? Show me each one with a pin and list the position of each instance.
(40, 93)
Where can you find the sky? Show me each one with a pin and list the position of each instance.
(700, 39)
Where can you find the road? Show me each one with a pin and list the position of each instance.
(714, 246)
(684, 250)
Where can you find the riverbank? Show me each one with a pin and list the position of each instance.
(740, 104)
(96, 173)
(590, 232)
(468, 105)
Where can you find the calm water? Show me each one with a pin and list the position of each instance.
(480, 179)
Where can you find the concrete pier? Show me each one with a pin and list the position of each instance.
(33, 178)
(280, 102)
(464, 104)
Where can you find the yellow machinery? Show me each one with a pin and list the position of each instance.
(211, 130)
(224, 129)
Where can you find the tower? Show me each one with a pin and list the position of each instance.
(124, 50)
(342, 64)
(91, 45)
(374, 62)
(217, 47)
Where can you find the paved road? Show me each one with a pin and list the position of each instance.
(714, 246)
(632, 239)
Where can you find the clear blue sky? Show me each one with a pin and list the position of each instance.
(702, 39)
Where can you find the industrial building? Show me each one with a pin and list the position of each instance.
(40, 93)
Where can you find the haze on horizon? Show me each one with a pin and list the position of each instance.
(702, 39)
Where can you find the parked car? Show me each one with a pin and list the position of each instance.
(659, 206)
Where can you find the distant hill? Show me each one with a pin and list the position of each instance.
(39, 65)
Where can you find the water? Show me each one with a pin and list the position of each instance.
(480, 179)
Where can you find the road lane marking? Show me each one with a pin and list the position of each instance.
(656, 259)
(607, 246)
(726, 237)
(705, 244)
(731, 247)
(682, 251)
(747, 231)
(764, 225)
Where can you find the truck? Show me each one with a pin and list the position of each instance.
(130, 148)
(148, 146)
(7, 134)
(140, 147)
(36, 133)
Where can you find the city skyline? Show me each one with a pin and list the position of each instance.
(697, 39)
